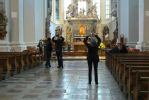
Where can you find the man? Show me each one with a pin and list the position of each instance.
(92, 42)
(48, 52)
(58, 41)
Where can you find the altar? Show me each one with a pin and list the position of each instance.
(81, 22)
(79, 46)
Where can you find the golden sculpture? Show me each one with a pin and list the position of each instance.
(82, 30)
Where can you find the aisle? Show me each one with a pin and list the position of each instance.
(69, 83)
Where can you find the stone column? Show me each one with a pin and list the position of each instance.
(143, 43)
(124, 18)
(16, 26)
(129, 24)
(34, 21)
(133, 36)
(146, 24)
(141, 25)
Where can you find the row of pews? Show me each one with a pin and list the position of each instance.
(12, 63)
(131, 71)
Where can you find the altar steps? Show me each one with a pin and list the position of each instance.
(76, 55)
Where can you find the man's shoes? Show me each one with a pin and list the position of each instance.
(58, 67)
(48, 66)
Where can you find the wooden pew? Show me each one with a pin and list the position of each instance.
(133, 71)
(17, 60)
(121, 73)
(3, 66)
(111, 58)
(141, 85)
(9, 69)
(120, 64)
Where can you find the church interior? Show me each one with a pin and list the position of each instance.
(121, 75)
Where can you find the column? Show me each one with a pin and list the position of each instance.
(143, 43)
(16, 26)
(133, 35)
(123, 18)
(141, 25)
(34, 21)
(146, 24)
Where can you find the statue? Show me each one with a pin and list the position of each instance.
(82, 11)
(69, 36)
(106, 34)
(92, 11)
(115, 37)
(71, 11)
(3, 22)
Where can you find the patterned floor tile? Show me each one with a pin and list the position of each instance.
(69, 83)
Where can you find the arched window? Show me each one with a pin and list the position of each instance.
(107, 8)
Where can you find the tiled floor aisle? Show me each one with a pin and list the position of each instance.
(69, 83)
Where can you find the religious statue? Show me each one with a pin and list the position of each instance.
(68, 35)
(92, 11)
(3, 22)
(82, 11)
(115, 37)
(105, 33)
(71, 11)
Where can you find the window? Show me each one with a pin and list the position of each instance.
(107, 8)
(82, 6)
(66, 4)
(57, 9)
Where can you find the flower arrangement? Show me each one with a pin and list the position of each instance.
(101, 46)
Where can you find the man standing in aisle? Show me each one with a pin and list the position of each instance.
(58, 41)
(92, 42)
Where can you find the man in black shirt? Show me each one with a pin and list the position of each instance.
(48, 50)
(92, 42)
(58, 41)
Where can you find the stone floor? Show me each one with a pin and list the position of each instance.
(69, 83)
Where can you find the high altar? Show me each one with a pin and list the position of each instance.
(82, 21)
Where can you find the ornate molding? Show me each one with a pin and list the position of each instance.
(72, 10)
